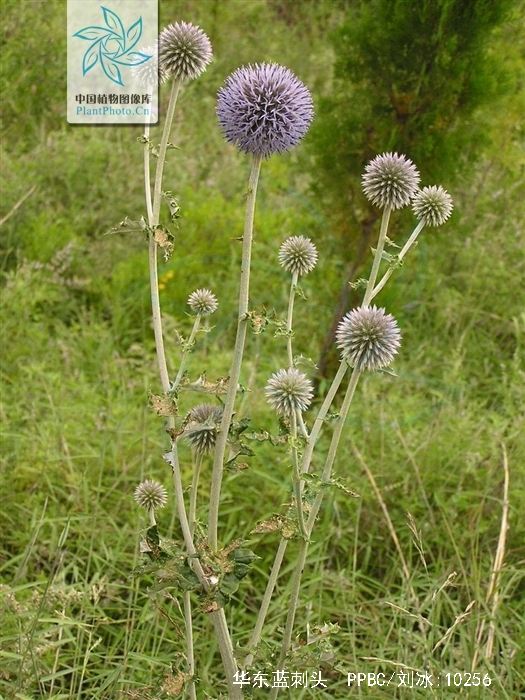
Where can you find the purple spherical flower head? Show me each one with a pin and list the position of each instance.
(264, 109)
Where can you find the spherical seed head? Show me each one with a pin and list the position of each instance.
(432, 205)
(390, 180)
(264, 109)
(203, 423)
(184, 51)
(151, 495)
(368, 338)
(147, 74)
(203, 302)
(298, 255)
(289, 390)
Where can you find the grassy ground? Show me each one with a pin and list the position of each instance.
(78, 364)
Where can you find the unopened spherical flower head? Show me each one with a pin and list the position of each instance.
(149, 73)
(203, 302)
(298, 255)
(432, 205)
(151, 495)
(203, 423)
(390, 180)
(289, 390)
(368, 338)
(264, 109)
(184, 51)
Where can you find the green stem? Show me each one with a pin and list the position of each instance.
(303, 545)
(188, 624)
(377, 257)
(194, 490)
(147, 175)
(289, 319)
(321, 416)
(187, 349)
(218, 617)
(307, 458)
(404, 250)
(154, 221)
(265, 604)
(297, 484)
(242, 321)
(157, 191)
(292, 607)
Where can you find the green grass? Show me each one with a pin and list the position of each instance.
(78, 364)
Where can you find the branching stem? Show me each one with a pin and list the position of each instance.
(378, 255)
(404, 250)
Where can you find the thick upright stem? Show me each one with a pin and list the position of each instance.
(265, 604)
(157, 191)
(297, 486)
(154, 220)
(242, 321)
(289, 320)
(377, 257)
(147, 175)
(194, 491)
(404, 250)
(218, 617)
(188, 624)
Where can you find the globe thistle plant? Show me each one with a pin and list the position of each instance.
(264, 109)
(151, 495)
(201, 430)
(288, 391)
(298, 255)
(390, 180)
(184, 51)
(203, 302)
(368, 338)
(432, 205)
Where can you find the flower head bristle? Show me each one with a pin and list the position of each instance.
(264, 109)
(289, 390)
(184, 51)
(203, 302)
(201, 430)
(390, 180)
(150, 495)
(298, 255)
(368, 338)
(432, 205)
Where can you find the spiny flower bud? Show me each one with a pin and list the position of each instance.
(298, 255)
(264, 109)
(184, 51)
(432, 205)
(151, 495)
(289, 390)
(201, 430)
(368, 338)
(390, 180)
(203, 302)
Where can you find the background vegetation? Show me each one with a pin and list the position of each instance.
(78, 356)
